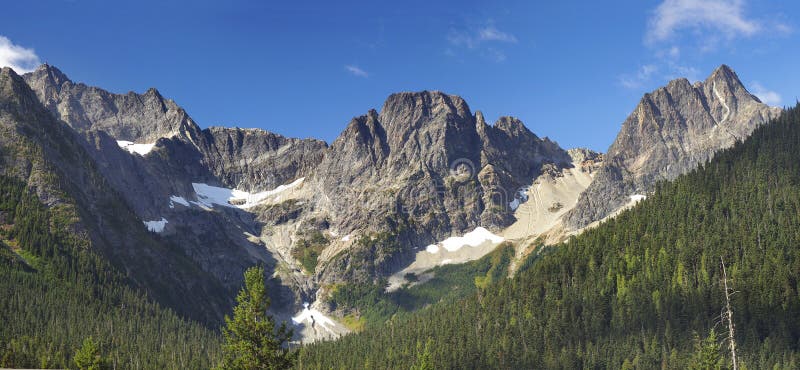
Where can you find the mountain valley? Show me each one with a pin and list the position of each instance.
(353, 234)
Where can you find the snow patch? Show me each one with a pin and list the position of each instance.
(313, 317)
(449, 251)
(208, 195)
(201, 205)
(638, 197)
(520, 197)
(156, 226)
(722, 101)
(473, 238)
(176, 199)
(346, 238)
(132, 147)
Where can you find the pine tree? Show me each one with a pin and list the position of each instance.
(88, 357)
(251, 341)
(424, 360)
(706, 355)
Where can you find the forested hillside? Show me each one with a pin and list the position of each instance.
(56, 292)
(639, 291)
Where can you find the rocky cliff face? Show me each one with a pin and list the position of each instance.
(423, 169)
(249, 159)
(258, 160)
(131, 116)
(220, 241)
(53, 161)
(672, 130)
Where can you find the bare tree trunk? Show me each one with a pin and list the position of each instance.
(729, 314)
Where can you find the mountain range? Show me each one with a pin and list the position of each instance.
(182, 211)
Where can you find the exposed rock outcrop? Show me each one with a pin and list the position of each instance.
(672, 131)
(426, 168)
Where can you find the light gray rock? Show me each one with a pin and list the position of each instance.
(251, 160)
(673, 130)
(423, 169)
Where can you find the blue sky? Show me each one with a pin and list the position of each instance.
(570, 70)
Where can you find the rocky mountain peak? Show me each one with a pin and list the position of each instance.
(479, 120)
(423, 100)
(723, 73)
(513, 126)
(56, 77)
(410, 110)
(140, 118)
(15, 95)
(362, 130)
(671, 131)
(154, 93)
(10, 78)
(724, 82)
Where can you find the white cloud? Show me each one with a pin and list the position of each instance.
(725, 17)
(356, 71)
(766, 96)
(496, 55)
(490, 33)
(656, 74)
(783, 29)
(674, 52)
(484, 40)
(21, 59)
(678, 71)
(640, 78)
(461, 38)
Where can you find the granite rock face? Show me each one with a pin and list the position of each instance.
(54, 163)
(588, 159)
(425, 168)
(182, 154)
(258, 160)
(132, 117)
(249, 159)
(673, 130)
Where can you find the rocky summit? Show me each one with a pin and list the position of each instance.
(673, 130)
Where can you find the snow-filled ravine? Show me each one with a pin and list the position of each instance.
(208, 196)
(180, 200)
(157, 225)
(132, 147)
(314, 325)
(312, 317)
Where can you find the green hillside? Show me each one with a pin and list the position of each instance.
(56, 292)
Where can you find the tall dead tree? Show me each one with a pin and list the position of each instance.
(729, 316)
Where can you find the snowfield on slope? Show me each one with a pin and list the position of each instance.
(180, 200)
(473, 238)
(157, 225)
(451, 250)
(132, 147)
(208, 196)
(637, 197)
